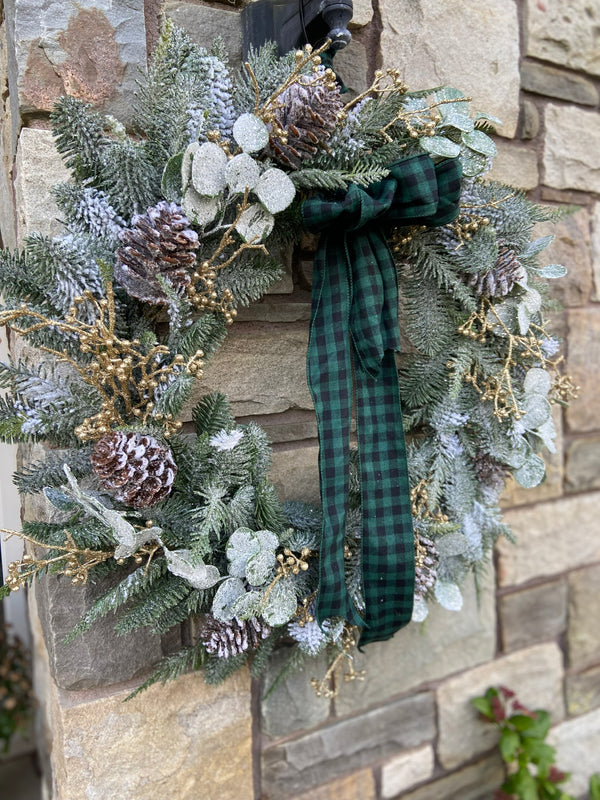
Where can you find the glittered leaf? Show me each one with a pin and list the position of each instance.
(537, 411)
(532, 472)
(448, 595)
(537, 381)
(275, 190)
(547, 433)
(524, 318)
(472, 163)
(260, 567)
(536, 246)
(171, 183)
(242, 545)
(226, 595)
(255, 223)
(186, 165)
(420, 610)
(246, 606)
(208, 170)
(552, 271)
(242, 173)
(59, 499)
(440, 146)
(250, 133)
(481, 143)
(452, 544)
(198, 208)
(280, 603)
(533, 301)
(195, 572)
(459, 121)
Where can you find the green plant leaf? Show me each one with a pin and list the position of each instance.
(522, 722)
(552, 271)
(481, 143)
(171, 183)
(595, 786)
(484, 706)
(509, 744)
(440, 146)
(531, 473)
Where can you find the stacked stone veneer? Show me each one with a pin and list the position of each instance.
(408, 730)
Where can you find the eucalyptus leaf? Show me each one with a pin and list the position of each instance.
(275, 190)
(260, 567)
(242, 173)
(194, 571)
(255, 223)
(547, 433)
(452, 544)
(247, 605)
(171, 184)
(536, 246)
(489, 117)
(198, 208)
(448, 595)
(537, 411)
(251, 133)
(420, 610)
(280, 603)
(208, 170)
(459, 121)
(532, 472)
(186, 165)
(226, 595)
(552, 271)
(524, 318)
(473, 164)
(533, 301)
(537, 381)
(480, 142)
(440, 146)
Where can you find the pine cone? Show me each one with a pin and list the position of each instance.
(136, 468)
(489, 472)
(426, 561)
(498, 281)
(308, 114)
(226, 639)
(159, 243)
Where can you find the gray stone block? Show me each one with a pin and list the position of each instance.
(553, 82)
(476, 782)
(533, 615)
(530, 120)
(583, 465)
(583, 690)
(320, 756)
(205, 23)
(583, 633)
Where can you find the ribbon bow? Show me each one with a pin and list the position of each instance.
(353, 337)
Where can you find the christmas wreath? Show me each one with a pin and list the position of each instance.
(172, 225)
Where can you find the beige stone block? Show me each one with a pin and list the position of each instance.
(530, 120)
(572, 148)
(552, 82)
(516, 166)
(533, 615)
(571, 247)
(352, 65)
(583, 690)
(185, 740)
(362, 13)
(564, 33)
(358, 786)
(38, 168)
(577, 743)
(583, 464)
(437, 43)
(295, 472)
(545, 544)
(475, 782)
(583, 632)
(407, 770)
(261, 369)
(205, 23)
(596, 251)
(446, 643)
(583, 361)
(535, 674)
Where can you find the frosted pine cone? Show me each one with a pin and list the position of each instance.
(137, 469)
(159, 243)
(226, 639)
(426, 561)
(498, 281)
(489, 472)
(308, 113)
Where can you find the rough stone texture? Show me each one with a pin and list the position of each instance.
(577, 743)
(541, 79)
(358, 786)
(7, 210)
(422, 38)
(583, 465)
(583, 364)
(564, 33)
(38, 168)
(406, 770)
(536, 673)
(446, 643)
(475, 782)
(533, 615)
(205, 23)
(516, 166)
(278, 309)
(545, 539)
(261, 368)
(362, 13)
(184, 740)
(89, 49)
(352, 65)
(325, 754)
(530, 120)
(571, 247)
(295, 472)
(584, 605)
(583, 690)
(572, 148)
(293, 705)
(290, 426)
(596, 251)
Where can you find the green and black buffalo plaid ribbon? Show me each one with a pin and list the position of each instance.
(353, 337)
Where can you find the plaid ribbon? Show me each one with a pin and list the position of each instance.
(353, 337)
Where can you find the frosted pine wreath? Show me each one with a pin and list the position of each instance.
(169, 228)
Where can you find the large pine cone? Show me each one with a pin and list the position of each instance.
(159, 243)
(137, 469)
(489, 472)
(308, 114)
(426, 561)
(226, 639)
(498, 281)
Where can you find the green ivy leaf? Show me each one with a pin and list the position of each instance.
(521, 722)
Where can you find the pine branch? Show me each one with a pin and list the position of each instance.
(212, 414)
(217, 670)
(79, 137)
(190, 659)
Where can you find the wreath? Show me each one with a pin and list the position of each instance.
(171, 226)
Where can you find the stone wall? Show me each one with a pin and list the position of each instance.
(408, 730)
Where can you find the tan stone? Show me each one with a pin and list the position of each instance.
(439, 43)
(516, 166)
(261, 369)
(545, 544)
(572, 148)
(583, 464)
(535, 673)
(583, 363)
(351, 64)
(185, 740)
(596, 251)
(203, 24)
(577, 743)
(533, 615)
(358, 786)
(362, 13)
(571, 247)
(7, 210)
(446, 643)
(39, 167)
(583, 690)
(552, 82)
(583, 632)
(564, 33)
(406, 770)
(295, 472)
(475, 782)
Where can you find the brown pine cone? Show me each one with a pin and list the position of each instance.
(159, 243)
(490, 472)
(426, 561)
(136, 468)
(498, 281)
(226, 639)
(308, 114)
